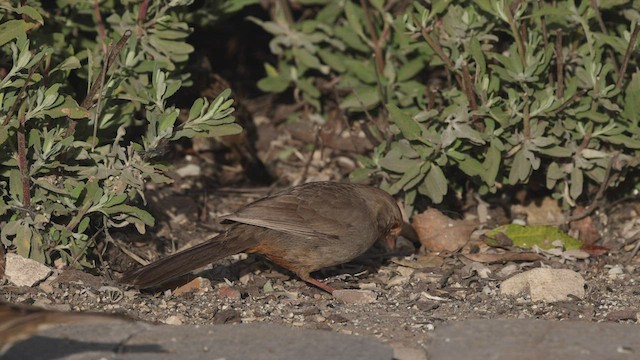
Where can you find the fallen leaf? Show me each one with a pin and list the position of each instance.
(594, 250)
(586, 229)
(544, 237)
(438, 232)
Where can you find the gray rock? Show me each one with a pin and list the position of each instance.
(140, 341)
(534, 339)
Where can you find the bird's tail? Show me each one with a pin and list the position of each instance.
(231, 242)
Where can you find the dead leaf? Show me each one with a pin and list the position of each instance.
(586, 229)
(438, 232)
(594, 250)
(504, 257)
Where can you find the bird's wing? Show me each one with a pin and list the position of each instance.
(319, 211)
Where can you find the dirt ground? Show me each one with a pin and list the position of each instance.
(415, 292)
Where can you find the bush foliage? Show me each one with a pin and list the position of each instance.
(475, 95)
(84, 113)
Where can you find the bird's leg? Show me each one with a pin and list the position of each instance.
(317, 283)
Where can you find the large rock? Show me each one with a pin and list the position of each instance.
(25, 272)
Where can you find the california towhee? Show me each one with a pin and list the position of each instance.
(303, 229)
(20, 322)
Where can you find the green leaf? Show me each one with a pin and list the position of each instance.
(361, 175)
(576, 185)
(405, 179)
(31, 12)
(306, 58)
(435, 184)
(409, 128)
(478, 56)
(68, 108)
(520, 169)
(144, 216)
(273, 84)
(492, 163)
(554, 173)
(411, 69)
(22, 240)
(352, 13)
(526, 237)
(116, 200)
(12, 29)
(632, 99)
(362, 98)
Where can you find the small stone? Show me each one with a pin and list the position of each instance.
(228, 316)
(25, 272)
(197, 285)
(355, 296)
(227, 292)
(548, 285)
(397, 281)
(189, 170)
(337, 318)
(173, 320)
(46, 287)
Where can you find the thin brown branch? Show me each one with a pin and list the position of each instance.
(286, 11)
(559, 65)
(377, 49)
(543, 25)
(627, 55)
(23, 166)
(18, 101)
(437, 48)
(98, 84)
(307, 164)
(96, 12)
(440, 52)
(517, 34)
(573, 99)
(468, 87)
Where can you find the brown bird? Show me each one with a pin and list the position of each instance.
(20, 322)
(303, 229)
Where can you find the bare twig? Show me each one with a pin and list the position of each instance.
(316, 142)
(559, 65)
(467, 85)
(98, 84)
(18, 101)
(627, 55)
(23, 166)
(377, 49)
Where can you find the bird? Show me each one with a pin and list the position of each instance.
(302, 229)
(19, 321)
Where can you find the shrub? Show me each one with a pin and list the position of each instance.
(477, 95)
(84, 115)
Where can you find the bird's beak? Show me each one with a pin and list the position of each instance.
(390, 240)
